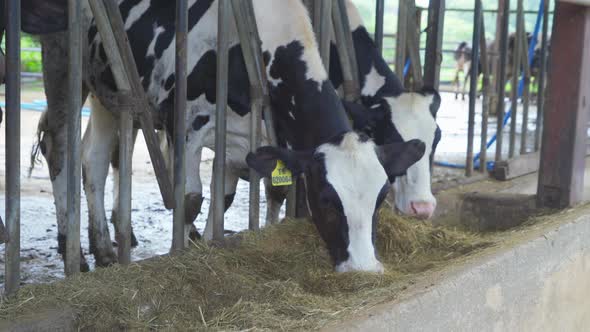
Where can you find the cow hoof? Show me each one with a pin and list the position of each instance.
(193, 233)
(105, 260)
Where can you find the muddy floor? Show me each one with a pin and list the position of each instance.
(152, 223)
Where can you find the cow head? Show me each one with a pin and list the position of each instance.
(409, 116)
(346, 182)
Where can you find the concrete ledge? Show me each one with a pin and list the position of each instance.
(542, 283)
(46, 321)
(484, 212)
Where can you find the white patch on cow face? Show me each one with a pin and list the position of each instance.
(357, 176)
(411, 116)
(373, 82)
(289, 21)
(135, 13)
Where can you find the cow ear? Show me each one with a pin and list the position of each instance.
(44, 16)
(264, 161)
(396, 158)
(358, 113)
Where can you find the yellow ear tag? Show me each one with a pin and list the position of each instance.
(281, 176)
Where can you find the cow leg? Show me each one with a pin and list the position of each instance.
(231, 183)
(465, 79)
(98, 142)
(115, 167)
(194, 192)
(52, 131)
(275, 196)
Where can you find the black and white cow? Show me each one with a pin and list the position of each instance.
(388, 114)
(347, 176)
(393, 115)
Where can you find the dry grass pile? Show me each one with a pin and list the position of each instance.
(280, 278)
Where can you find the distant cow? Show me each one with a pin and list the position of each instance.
(462, 58)
(346, 175)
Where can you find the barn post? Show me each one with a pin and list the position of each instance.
(563, 149)
(504, 12)
(72, 262)
(379, 16)
(433, 59)
(180, 104)
(477, 15)
(401, 42)
(542, 76)
(323, 13)
(12, 249)
(218, 201)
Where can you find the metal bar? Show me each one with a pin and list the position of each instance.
(257, 95)
(12, 252)
(350, 86)
(108, 12)
(433, 58)
(345, 20)
(180, 104)
(379, 15)
(323, 27)
(473, 87)
(527, 86)
(413, 42)
(516, 62)
(483, 158)
(218, 202)
(401, 46)
(563, 150)
(125, 180)
(501, 87)
(491, 11)
(542, 76)
(74, 125)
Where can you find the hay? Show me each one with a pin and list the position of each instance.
(280, 278)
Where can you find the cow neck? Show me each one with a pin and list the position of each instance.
(371, 62)
(309, 111)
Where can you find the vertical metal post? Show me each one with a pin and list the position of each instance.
(74, 142)
(125, 180)
(524, 56)
(401, 45)
(473, 86)
(346, 51)
(379, 15)
(258, 92)
(485, 65)
(413, 44)
(433, 59)
(180, 125)
(542, 76)
(220, 121)
(501, 81)
(323, 27)
(12, 253)
(515, 79)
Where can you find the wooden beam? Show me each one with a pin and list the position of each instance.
(561, 176)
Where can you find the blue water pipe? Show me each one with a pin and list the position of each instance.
(41, 106)
(531, 54)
